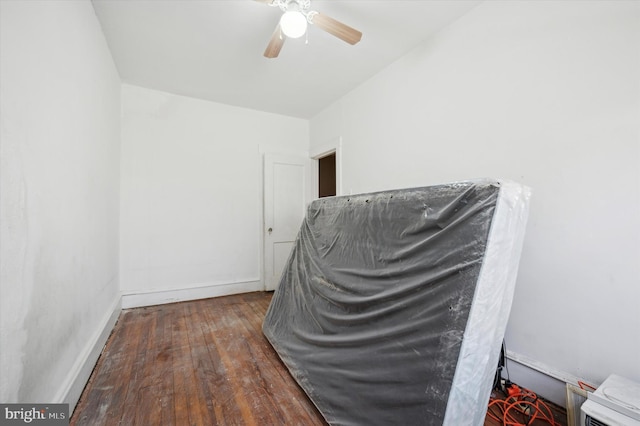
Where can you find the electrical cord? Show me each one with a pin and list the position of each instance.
(521, 407)
(586, 386)
(504, 354)
(502, 366)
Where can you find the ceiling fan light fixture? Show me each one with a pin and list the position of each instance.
(293, 24)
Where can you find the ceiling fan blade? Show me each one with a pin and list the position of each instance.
(337, 28)
(275, 44)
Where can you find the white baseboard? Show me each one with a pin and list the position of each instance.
(542, 379)
(161, 297)
(81, 371)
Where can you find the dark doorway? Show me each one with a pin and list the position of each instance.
(327, 176)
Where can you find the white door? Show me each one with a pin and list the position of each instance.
(286, 180)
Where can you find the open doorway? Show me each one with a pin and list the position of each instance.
(327, 176)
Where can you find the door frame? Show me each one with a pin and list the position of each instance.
(333, 146)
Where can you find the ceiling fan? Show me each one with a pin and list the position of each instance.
(293, 24)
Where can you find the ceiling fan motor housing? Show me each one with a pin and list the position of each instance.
(293, 5)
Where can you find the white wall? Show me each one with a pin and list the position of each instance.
(547, 94)
(60, 103)
(191, 193)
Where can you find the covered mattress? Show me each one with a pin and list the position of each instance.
(393, 305)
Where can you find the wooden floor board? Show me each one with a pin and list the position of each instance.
(204, 362)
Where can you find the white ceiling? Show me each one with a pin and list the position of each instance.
(212, 49)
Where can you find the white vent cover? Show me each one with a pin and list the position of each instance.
(616, 402)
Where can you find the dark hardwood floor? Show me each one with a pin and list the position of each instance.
(195, 363)
(204, 362)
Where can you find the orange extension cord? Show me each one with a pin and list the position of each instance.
(521, 408)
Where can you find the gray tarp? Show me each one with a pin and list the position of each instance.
(393, 305)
